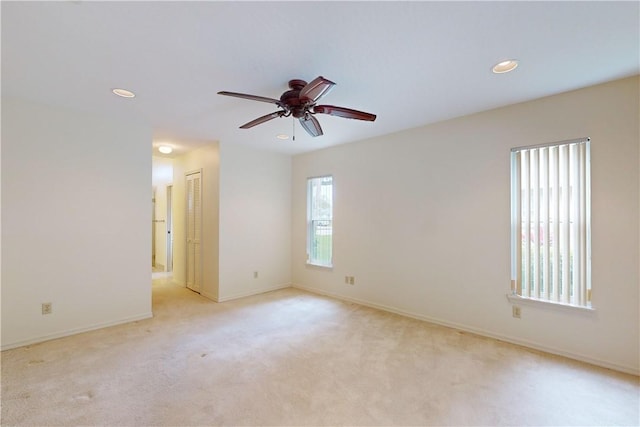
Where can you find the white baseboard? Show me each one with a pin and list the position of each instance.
(212, 297)
(513, 340)
(68, 332)
(253, 292)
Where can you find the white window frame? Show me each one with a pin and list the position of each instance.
(558, 250)
(317, 219)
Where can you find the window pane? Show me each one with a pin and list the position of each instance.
(320, 220)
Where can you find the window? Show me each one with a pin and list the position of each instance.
(550, 222)
(320, 220)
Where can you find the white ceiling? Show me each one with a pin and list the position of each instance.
(411, 63)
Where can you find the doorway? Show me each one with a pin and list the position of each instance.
(169, 225)
(162, 218)
(159, 230)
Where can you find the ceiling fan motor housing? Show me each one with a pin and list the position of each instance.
(291, 98)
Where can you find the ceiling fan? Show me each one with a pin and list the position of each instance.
(300, 102)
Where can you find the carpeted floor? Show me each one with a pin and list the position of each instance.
(293, 358)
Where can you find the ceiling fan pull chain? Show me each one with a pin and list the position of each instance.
(293, 125)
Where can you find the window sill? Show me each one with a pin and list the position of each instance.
(320, 266)
(517, 299)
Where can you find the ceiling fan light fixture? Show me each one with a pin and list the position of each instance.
(165, 149)
(282, 136)
(124, 93)
(505, 66)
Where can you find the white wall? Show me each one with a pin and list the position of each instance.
(422, 221)
(206, 159)
(76, 213)
(255, 221)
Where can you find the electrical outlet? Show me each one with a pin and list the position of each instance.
(255, 274)
(515, 311)
(352, 280)
(47, 308)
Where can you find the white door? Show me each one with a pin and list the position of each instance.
(194, 231)
(153, 228)
(169, 228)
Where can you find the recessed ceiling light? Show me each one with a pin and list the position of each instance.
(282, 136)
(505, 66)
(124, 93)
(165, 149)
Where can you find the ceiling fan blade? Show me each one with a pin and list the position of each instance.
(316, 89)
(311, 125)
(347, 113)
(252, 97)
(262, 119)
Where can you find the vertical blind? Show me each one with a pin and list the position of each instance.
(320, 220)
(550, 222)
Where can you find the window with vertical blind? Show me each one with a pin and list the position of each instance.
(550, 222)
(320, 221)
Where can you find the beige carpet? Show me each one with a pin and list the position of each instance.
(293, 358)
